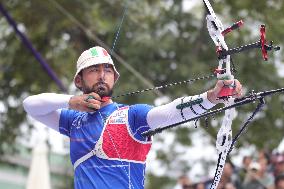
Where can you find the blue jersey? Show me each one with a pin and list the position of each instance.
(114, 131)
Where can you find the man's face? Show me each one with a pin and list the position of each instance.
(97, 78)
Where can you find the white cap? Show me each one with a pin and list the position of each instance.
(93, 56)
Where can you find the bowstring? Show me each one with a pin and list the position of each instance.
(245, 125)
(105, 120)
(257, 109)
(119, 28)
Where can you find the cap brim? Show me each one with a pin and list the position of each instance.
(90, 62)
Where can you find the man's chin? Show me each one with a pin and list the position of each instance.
(103, 93)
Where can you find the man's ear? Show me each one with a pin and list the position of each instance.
(78, 81)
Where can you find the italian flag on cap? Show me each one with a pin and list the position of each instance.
(94, 52)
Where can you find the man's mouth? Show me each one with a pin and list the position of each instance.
(101, 86)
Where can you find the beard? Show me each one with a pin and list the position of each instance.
(101, 88)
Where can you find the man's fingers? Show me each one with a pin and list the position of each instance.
(89, 98)
(93, 101)
(92, 104)
(238, 89)
(223, 83)
(219, 84)
(96, 96)
(86, 103)
(239, 92)
(234, 84)
(235, 90)
(228, 82)
(93, 107)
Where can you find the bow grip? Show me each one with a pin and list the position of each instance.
(227, 91)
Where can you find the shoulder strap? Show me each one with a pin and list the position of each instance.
(83, 158)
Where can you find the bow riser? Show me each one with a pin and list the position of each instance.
(217, 32)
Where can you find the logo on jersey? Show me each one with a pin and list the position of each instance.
(118, 117)
(77, 123)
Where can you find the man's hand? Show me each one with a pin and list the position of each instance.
(86, 102)
(212, 94)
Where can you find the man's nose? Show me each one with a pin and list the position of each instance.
(102, 74)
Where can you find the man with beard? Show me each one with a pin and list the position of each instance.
(107, 148)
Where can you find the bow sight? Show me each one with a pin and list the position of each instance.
(222, 53)
(261, 43)
(217, 33)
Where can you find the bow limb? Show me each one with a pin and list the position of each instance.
(223, 142)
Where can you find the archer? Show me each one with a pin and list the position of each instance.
(107, 148)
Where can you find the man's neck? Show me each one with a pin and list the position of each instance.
(109, 101)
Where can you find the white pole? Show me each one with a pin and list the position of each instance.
(39, 168)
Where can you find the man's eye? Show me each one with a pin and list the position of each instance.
(108, 69)
(94, 69)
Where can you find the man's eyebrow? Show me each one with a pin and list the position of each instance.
(94, 66)
(105, 65)
(108, 66)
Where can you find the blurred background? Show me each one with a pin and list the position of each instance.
(160, 41)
